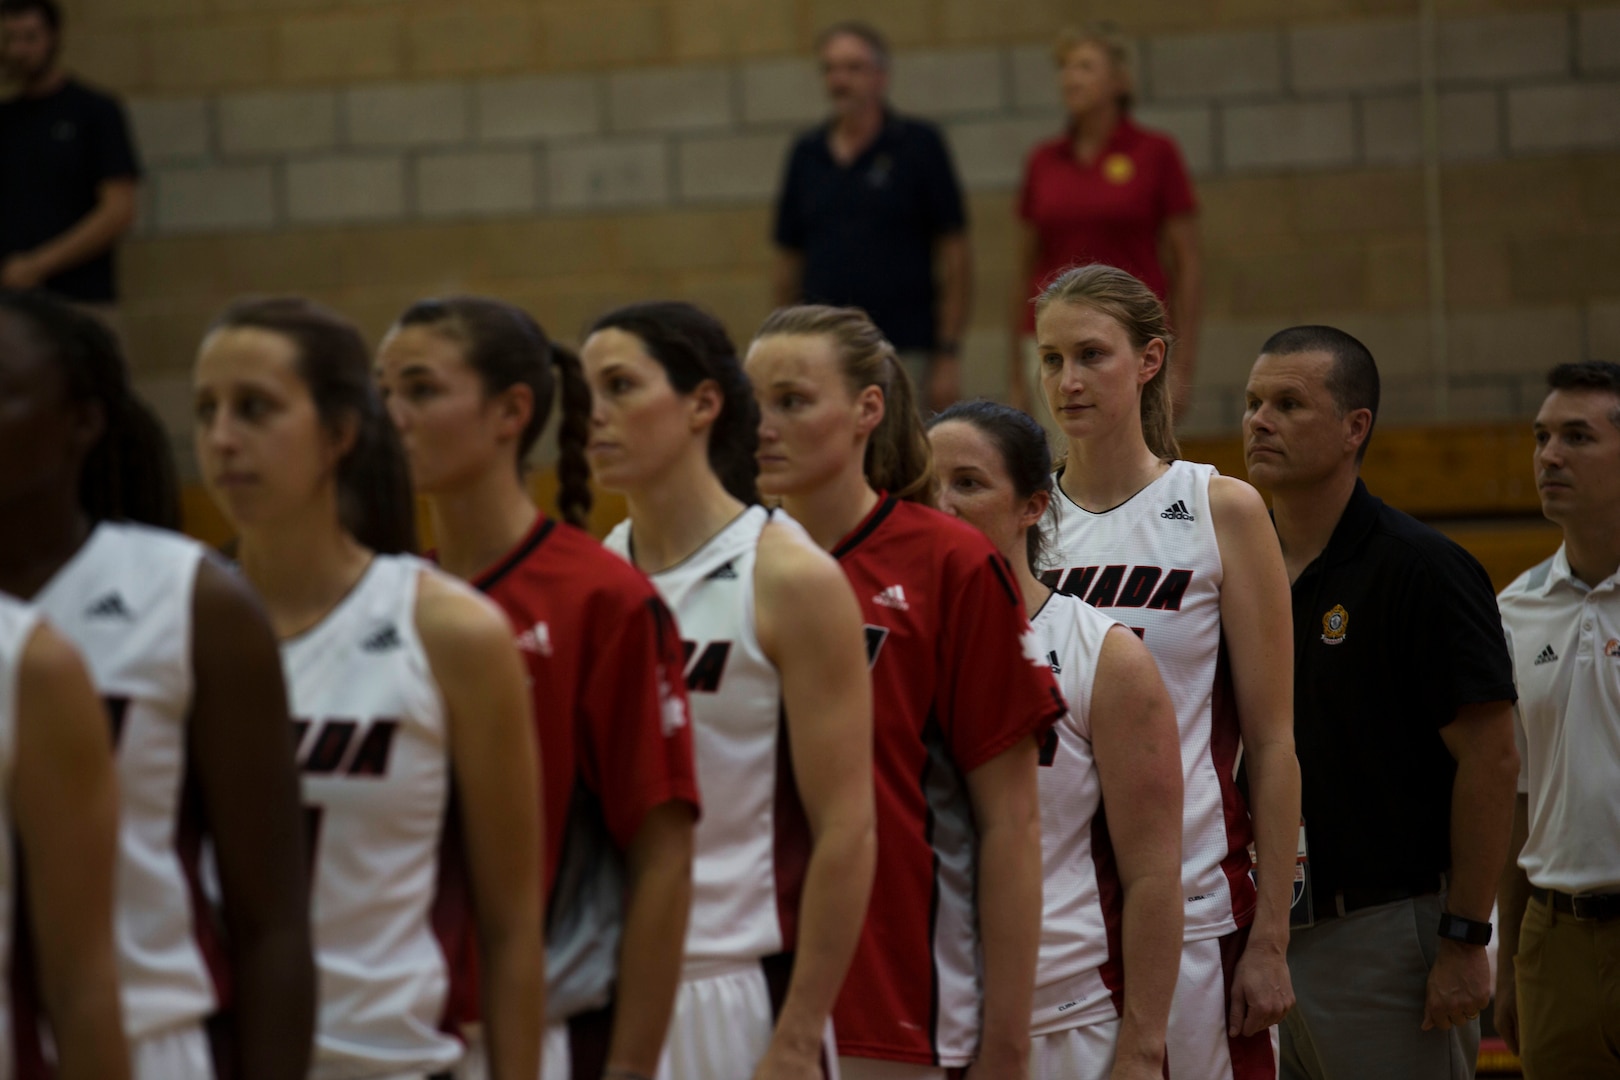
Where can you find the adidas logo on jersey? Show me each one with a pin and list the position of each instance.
(110, 606)
(536, 639)
(1546, 656)
(727, 572)
(1177, 511)
(383, 640)
(892, 597)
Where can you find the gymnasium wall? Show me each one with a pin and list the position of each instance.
(572, 154)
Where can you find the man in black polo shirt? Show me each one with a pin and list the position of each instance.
(67, 166)
(1403, 695)
(869, 203)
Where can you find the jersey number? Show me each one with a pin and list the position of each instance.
(703, 674)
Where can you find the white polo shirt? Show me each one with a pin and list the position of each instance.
(1565, 641)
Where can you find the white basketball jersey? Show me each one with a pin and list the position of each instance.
(374, 756)
(17, 624)
(1154, 564)
(124, 600)
(1079, 971)
(749, 846)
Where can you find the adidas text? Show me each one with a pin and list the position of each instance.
(1177, 511)
(1546, 656)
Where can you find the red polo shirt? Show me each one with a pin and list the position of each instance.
(1111, 210)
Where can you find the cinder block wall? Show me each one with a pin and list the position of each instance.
(572, 154)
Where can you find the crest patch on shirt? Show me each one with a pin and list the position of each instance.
(1334, 625)
(1118, 168)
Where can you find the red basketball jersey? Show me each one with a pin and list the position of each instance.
(606, 672)
(956, 681)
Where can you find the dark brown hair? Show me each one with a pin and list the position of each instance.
(506, 347)
(899, 458)
(1025, 454)
(375, 502)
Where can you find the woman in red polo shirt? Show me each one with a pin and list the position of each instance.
(1105, 191)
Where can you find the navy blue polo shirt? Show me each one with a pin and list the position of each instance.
(867, 230)
(1395, 628)
(55, 152)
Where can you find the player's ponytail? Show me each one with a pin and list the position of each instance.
(506, 347)
(129, 474)
(373, 480)
(693, 347)
(899, 459)
(1025, 454)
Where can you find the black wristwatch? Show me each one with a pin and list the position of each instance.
(1466, 931)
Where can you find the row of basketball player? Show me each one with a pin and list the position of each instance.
(827, 794)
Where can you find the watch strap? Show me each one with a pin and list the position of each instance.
(1465, 931)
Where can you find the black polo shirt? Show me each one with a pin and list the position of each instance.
(1395, 627)
(867, 230)
(55, 151)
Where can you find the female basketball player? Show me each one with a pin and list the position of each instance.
(959, 707)
(1189, 560)
(781, 705)
(183, 659)
(469, 383)
(59, 792)
(1111, 928)
(409, 708)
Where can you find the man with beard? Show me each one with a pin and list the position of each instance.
(68, 170)
(870, 204)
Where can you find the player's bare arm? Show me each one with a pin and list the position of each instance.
(1482, 798)
(810, 626)
(241, 740)
(1257, 622)
(495, 764)
(64, 803)
(1138, 752)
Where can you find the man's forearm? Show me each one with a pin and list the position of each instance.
(1274, 784)
(1481, 822)
(90, 236)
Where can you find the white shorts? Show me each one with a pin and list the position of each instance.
(723, 1025)
(177, 1054)
(1197, 1043)
(1080, 1053)
(855, 1068)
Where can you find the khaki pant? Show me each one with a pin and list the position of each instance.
(1568, 978)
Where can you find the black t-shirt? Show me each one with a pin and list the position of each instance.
(55, 152)
(867, 230)
(1395, 627)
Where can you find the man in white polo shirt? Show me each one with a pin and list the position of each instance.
(1558, 982)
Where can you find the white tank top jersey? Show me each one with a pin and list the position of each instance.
(374, 756)
(124, 600)
(18, 622)
(1079, 977)
(750, 846)
(1153, 563)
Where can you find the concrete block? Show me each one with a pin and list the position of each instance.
(1312, 134)
(949, 83)
(340, 190)
(1034, 77)
(408, 114)
(672, 99)
(1513, 340)
(214, 198)
(479, 183)
(602, 34)
(1470, 127)
(608, 173)
(1574, 116)
(340, 48)
(1597, 40)
(1603, 331)
(732, 168)
(1497, 47)
(782, 92)
(1496, 398)
(1221, 65)
(524, 109)
(1374, 55)
(726, 29)
(211, 56)
(470, 40)
(990, 154)
(170, 129)
(1191, 126)
(277, 122)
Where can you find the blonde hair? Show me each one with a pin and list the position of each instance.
(1141, 313)
(899, 458)
(1111, 38)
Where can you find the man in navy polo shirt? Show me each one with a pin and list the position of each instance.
(869, 205)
